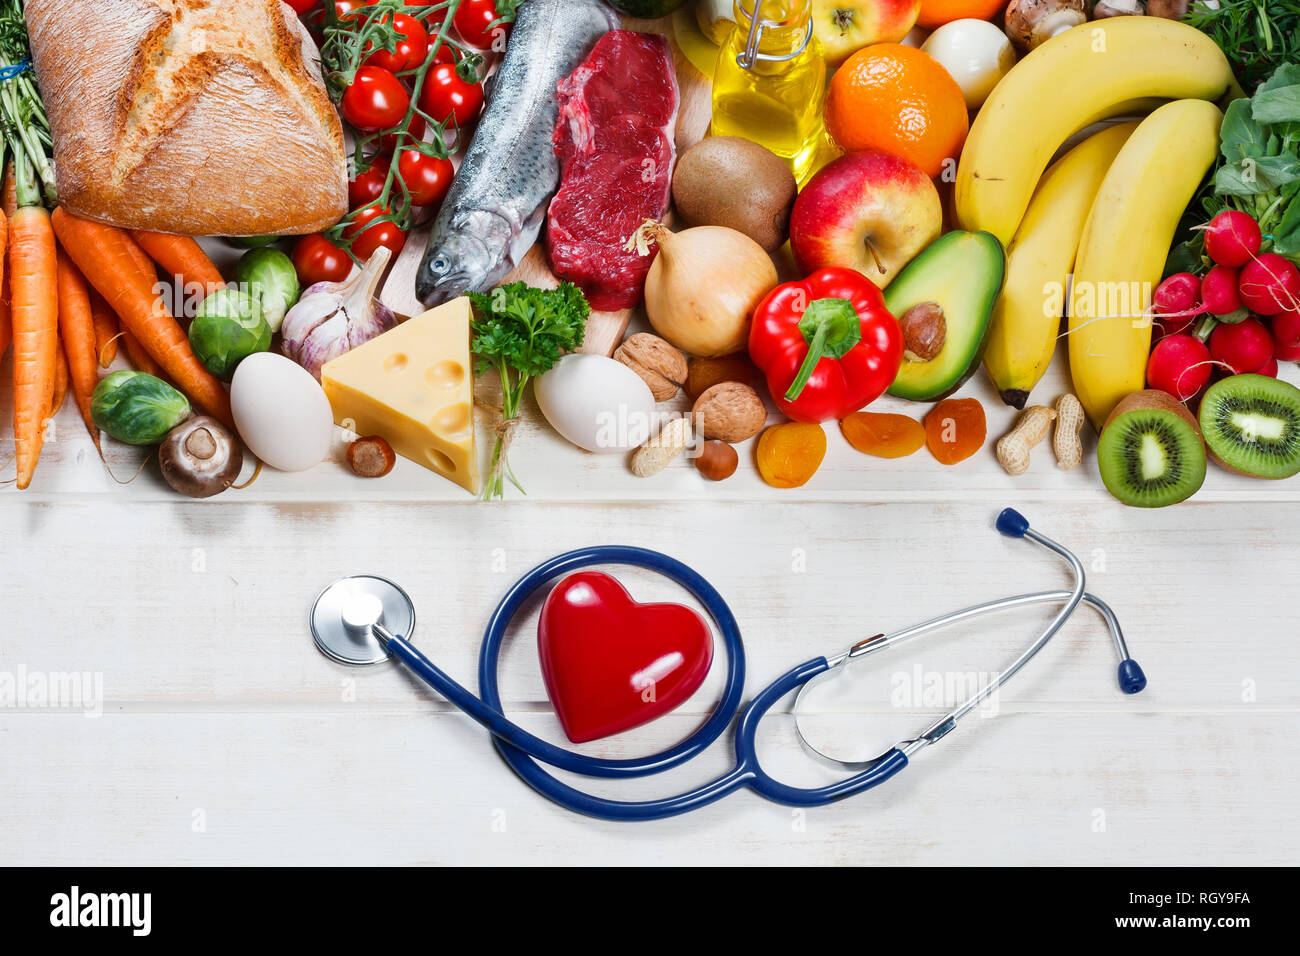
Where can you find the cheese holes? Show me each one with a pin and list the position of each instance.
(445, 374)
(439, 460)
(451, 419)
(395, 362)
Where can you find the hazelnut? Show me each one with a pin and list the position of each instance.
(717, 460)
(925, 329)
(729, 411)
(704, 373)
(660, 365)
(371, 457)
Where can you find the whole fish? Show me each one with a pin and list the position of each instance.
(499, 197)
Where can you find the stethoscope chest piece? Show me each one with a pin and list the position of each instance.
(345, 613)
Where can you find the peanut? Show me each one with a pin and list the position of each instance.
(1014, 447)
(658, 453)
(1065, 440)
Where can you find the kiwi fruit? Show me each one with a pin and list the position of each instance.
(1151, 453)
(1252, 425)
(732, 182)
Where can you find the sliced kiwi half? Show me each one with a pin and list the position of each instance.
(1151, 453)
(1252, 425)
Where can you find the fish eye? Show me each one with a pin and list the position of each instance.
(440, 264)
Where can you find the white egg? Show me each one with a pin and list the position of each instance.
(596, 403)
(281, 412)
(976, 53)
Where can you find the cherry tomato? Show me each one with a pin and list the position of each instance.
(473, 21)
(427, 178)
(445, 94)
(366, 187)
(375, 100)
(301, 6)
(341, 9)
(367, 238)
(316, 259)
(388, 143)
(411, 49)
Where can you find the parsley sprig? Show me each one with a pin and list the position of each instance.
(1257, 36)
(521, 332)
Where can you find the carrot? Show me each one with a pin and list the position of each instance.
(184, 259)
(103, 254)
(105, 329)
(139, 357)
(6, 312)
(33, 281)
(62, 379)
(77, 332)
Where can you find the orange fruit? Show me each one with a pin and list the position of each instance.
(899, 100)
(935, 13)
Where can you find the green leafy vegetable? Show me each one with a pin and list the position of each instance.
(137, 408)
(1256, 35)
(1258, 172)
(521, 332)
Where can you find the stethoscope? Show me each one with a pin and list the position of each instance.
(359, 620)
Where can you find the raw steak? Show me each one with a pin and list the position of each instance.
(614, 141)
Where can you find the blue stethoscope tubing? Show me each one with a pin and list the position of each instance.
(525, 753)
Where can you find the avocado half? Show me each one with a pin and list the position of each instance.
(961, 272)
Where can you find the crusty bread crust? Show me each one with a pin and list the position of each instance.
(197, 117)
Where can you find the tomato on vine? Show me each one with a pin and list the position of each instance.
(388, 143)
(427, 178)
(316, 259)
(366, 187)
(411, 49)
(301, 6)
(368, 235)
(473, 21)
(375, 100)
(445, 95)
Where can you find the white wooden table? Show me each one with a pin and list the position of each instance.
(225, 737)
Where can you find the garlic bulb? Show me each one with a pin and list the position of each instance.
(335, 317)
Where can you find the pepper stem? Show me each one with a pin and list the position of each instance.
(831, 327)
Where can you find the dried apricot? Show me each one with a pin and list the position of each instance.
(955, 429)
(882, 434)
(790, 454)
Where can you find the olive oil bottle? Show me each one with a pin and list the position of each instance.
(770, 81)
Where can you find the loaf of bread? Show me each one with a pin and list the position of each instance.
(197, 117)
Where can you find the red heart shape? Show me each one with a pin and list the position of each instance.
(611, 664)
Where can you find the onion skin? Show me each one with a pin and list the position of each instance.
(704, 285)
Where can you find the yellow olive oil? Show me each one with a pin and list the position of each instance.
(775, 100)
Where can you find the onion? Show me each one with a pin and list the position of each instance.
(704, 285)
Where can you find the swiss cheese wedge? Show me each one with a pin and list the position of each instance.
(414, 386)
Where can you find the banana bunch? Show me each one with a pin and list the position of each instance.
(1111, 228)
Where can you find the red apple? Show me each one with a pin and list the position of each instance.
(867, 211)
(846, 26)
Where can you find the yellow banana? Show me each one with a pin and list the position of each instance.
(1123, 248)
(1027, 317)
(1061, 86)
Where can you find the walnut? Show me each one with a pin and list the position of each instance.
(660, 365)
(730, 412)
(925, 329)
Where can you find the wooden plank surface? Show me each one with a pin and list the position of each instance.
(226, 737)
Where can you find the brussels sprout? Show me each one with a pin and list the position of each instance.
(228, 327)
(137, 408)
(269, 274)
(251, 242)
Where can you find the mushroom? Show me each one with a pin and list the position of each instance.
(1168, 9)
(1033, 22)
(201, 457)
(1104, 9)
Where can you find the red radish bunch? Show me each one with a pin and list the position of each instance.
(1177, 301)
(1244, 346)
(1232, 239)
(1270, 284)
(1219, 293)
(1180, 365)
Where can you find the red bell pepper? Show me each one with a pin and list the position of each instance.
(827, 344)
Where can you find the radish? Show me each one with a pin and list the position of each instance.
(1243, 347)
(1232, 238)
(1269, 368)
(1286, 335)
(1219, 293)
(1270, 284)
(1178, 301)
(1179, 365)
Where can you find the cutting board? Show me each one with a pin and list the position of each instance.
(604, 329)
